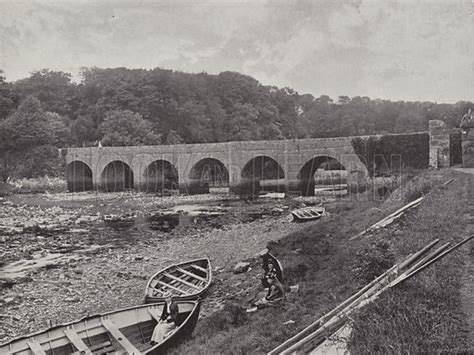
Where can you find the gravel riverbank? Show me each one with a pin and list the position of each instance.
(62, 262)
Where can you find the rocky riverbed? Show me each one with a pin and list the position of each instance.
(61, 261)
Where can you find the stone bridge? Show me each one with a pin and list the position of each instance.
(288, 165)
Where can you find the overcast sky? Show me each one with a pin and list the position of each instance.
(408, 50)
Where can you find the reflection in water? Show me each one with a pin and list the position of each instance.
(167, 221)
(164, 223)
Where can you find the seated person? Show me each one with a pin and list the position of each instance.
(166, 325)
(269, 270)
(275, 292)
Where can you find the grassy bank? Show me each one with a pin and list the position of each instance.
(424, 314)
(328, 268)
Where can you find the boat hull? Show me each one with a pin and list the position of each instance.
(128, 330)
(185, 281)
(307, 214)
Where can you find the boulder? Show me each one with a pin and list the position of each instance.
(241, 267)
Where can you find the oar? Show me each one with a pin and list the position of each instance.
(446, 252)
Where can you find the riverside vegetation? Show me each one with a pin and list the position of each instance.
(424, 314)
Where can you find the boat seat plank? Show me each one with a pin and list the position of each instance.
(177, 283)
(181, 280)
(197, 267)
(157, 292)
(117, 334)
(106, 350)
(198, 285)
(102, 348)
(36, 347)
(77, 341)
(191, 274)
(101, 345)
(187, 278)
(172, 287)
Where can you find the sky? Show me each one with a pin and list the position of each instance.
(398, 50)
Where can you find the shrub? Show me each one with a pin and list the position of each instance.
(39, 185)
(5, 189)
(416, 188)
(401, 150)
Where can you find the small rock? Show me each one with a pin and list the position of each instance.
(218, 269)
(8, 300)
(73, 299)
(263, 253)
(78, 271)
(241, 267)
(290, 322)
(294, 288)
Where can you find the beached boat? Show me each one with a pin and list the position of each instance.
(186, 281)
(120, 218)
(277, 266)
(308, 213)
(125, 331)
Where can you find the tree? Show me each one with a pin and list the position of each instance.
(84, 131)
(241, 125)
(22, 133)
(343, 99)
(9, 98)
(59, 126)
(28, 125)
(193, 124)
(52, 88)
(122, 128)
(173, 138)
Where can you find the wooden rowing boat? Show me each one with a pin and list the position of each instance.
(268, 257)
(125, 331)
(308, 213)
(122, 218)
(184, 281)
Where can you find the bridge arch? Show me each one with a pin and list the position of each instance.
(206, 173)
(267, 171)
(307, 178)
(117, 176)
(79, 176)
(160, 175)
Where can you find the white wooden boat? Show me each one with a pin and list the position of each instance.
(185, 281)
(308, 213)
(125, 331)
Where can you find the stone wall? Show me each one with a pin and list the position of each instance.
(468, 148)
(439, 144)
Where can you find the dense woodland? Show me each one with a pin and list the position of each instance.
(123, 106)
